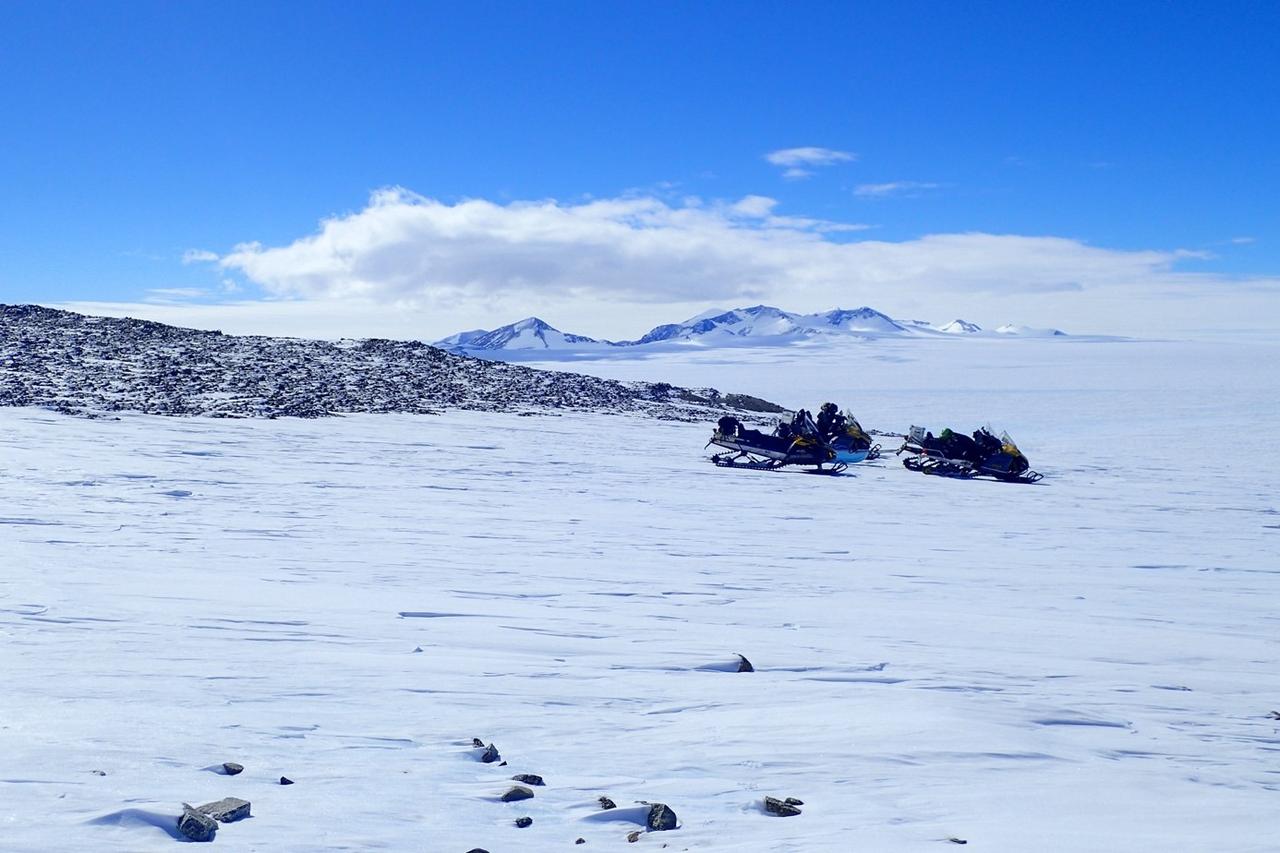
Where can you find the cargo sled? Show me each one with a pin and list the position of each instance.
(952, 454)
(797, 444)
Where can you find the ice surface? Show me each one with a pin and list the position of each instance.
(1083, 665)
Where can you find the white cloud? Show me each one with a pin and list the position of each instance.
(606, 266)
(894, 188)
(800, 162)
(755, 206)
(175, 294)
(1242, 241)
(808, 156)
(195, 256)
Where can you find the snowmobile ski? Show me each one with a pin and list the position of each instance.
(750, 462)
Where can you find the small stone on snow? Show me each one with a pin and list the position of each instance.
(528, 779)
(779, 807)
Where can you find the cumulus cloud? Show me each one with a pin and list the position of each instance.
(894, 188)
(755, 206)
(475, 262)
(800, 162)
(403, 245)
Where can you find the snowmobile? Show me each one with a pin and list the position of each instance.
(846, 436)
(953, 454)
(797, 443)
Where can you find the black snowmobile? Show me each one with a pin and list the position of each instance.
(794, 443)
(954, 454)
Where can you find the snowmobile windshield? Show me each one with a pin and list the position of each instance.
(1008, 445)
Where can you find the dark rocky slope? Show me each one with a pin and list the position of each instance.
(75, 363)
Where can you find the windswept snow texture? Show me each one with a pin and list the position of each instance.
(1087, 664)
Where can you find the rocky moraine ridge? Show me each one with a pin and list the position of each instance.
(80, 364)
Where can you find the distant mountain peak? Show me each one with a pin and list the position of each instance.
(529, 333)
(1029, 331)
(960, 327)
(863, 319)
(759, 324)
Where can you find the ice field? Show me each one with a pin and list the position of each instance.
(1086, 664)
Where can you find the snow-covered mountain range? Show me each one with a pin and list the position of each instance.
(760, 324)
(75, 363)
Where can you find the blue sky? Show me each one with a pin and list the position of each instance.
(1143, 136)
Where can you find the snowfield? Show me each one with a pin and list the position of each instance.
(1087, 664)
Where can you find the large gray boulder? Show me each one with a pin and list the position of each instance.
(660, 817)
(517, 793)
(196, 826)
(226, 810)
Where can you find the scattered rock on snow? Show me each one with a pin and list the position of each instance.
(955, 840)
(232, 769)
(516, 794)
(744, 665)
(477, 743)
(781, 808)
(1275, 715)
(661, 817)
(51, 358)
(196, 826)
(633, 837)
(606, 803)
(285, 780)
(581, 841)
(99, 773)
(226, 810)
(528, 779)
(792, 801)
(522, 822)
(490, 754)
